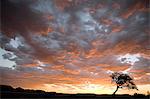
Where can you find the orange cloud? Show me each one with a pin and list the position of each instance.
(31, 65)
(117, 28)
(116, 68)
(106, 21)
(49, 29)
(116, 5)
(62, 4)
(139, 6)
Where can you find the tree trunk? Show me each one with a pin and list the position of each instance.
(116, 90)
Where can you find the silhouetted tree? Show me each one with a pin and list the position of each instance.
(122, 80)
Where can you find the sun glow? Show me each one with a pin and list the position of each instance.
(78, 88)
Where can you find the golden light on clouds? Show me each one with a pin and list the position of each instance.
(80, 88)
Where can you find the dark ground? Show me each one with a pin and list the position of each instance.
(19, 93)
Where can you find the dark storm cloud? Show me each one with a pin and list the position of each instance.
(18, 17)
(80, 26)
(73, 30)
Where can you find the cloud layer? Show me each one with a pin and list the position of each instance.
(74, 41)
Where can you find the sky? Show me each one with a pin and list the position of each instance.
(71, 46)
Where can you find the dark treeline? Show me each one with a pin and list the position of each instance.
(10, 92)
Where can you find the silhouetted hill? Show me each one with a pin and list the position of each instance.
(10, 92)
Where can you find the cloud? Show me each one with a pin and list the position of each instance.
(141, 67)
(61, 42)
(20, 13)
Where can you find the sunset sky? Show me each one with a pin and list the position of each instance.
(72, 46)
